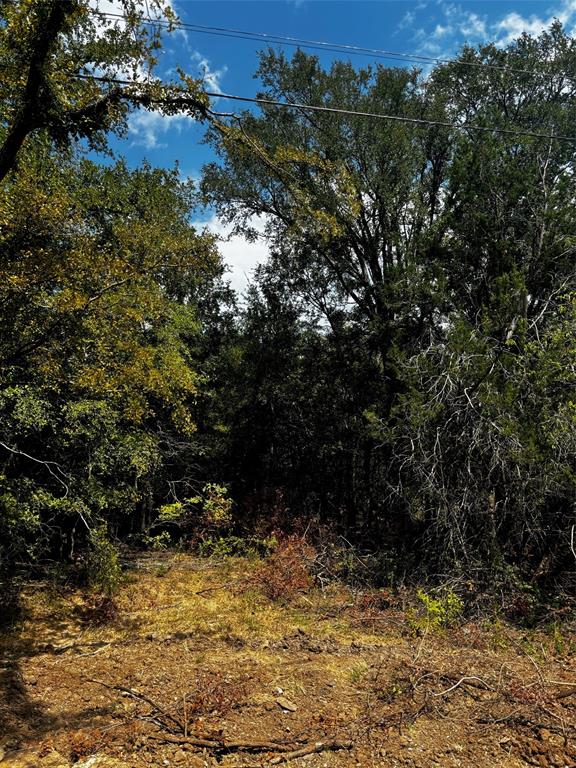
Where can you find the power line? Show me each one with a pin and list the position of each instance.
(396, 118)
(358, 50)
(355, 113)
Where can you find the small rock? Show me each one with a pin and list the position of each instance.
(180, 756)
(286, 704)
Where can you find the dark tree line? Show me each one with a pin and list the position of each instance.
(409, 346)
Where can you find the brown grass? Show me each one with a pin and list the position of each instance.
(205, 643)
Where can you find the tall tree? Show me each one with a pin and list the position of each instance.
(98, 378)
(450, 250)
(73, 72)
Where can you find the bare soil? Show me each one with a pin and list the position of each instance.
(195, 655)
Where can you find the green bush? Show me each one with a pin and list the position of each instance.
(237, 546)
(436, 613)
(104, 572)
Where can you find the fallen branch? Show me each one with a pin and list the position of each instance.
(534, 725)
(140, 697)
(472, 680)
(225, 745)
(321, 746)
(216, 587)
(466, 679)
(564, 694)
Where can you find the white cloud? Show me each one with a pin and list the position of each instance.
(407, 20)
(146, 128)
(239, 254)
(210, 77)
(454, 25)
(514, 24)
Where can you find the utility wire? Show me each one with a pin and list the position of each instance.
(377, 53)
(397, 118)
(354, 113)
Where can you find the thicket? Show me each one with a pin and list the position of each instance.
(404, 368)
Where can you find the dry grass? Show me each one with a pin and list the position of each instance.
(210, 652)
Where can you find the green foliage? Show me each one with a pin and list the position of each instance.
(158, 542)
(95, 348)
(104, 572)
(171, 512)
(216, 507)
(222, 547)
(411, 338)
(46, 44)
(436, 612)
(405, 366)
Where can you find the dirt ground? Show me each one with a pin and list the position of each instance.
(197, 671)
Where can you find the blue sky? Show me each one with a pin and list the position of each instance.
(427, 27)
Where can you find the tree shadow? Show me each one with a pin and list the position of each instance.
(25, 719)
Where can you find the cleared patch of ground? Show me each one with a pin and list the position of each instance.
(198, 669)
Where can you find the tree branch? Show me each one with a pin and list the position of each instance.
(50, 23)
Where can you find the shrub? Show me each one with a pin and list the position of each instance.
(237, 546)
(436, 613)
(216, 507)
(286, 572)
(104, 573)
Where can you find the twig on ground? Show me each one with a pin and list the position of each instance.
(535, 725)
(420, 646)
(97, 651)
(224, 744)
(564, 694)
(465, 679)
(140, 697)
(321, 746)
(219, 586)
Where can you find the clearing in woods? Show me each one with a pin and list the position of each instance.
(199, 668)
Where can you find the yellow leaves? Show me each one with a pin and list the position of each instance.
(324, 194)
(133, 375)
(84, 276)
(183, 420)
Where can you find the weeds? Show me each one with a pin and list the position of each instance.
(358, 673)
(84, 743)
(435, 613)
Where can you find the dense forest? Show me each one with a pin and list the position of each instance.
(403, 369)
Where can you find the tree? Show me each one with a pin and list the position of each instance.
(450, 252)
(344, 197)
(101, 280)
(97, 371)
(74, 73)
